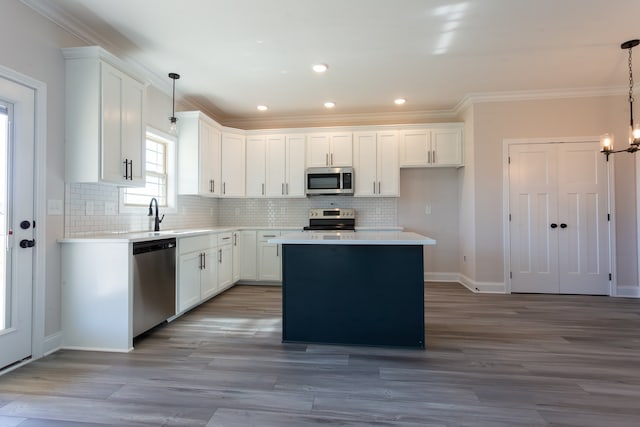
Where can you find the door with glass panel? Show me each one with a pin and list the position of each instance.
(17, 138)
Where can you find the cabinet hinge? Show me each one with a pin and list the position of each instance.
(609, 276)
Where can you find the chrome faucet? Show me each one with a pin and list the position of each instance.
(156, 225)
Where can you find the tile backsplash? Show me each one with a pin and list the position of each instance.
(94, 208)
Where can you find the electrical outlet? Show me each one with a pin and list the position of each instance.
(110, 208)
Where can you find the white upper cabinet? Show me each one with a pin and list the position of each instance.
(276, 175)
(431, 147)
(199, 153)
(232, 165)
(376, 168)
(105, 121)
(295, 165)
(330, 149)
(256, 164)
(275, 166)
(285, 165)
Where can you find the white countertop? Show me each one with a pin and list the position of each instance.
(353, 238)
(139, 236)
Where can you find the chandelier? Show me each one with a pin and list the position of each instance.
(606, 140)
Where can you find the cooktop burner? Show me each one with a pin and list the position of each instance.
(332, 219)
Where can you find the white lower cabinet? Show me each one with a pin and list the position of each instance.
(269, 257)
(247, 252)
(235, 255)
(197, 270)
(225, 260)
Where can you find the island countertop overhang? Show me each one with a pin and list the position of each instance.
(393, 238)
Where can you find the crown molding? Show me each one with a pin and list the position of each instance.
(536, 95)
(331, 120)
(51, 11)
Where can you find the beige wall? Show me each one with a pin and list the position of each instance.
(577, 117)
(438, 188)
(30, 44)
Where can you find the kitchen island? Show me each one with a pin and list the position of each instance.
(354, 288)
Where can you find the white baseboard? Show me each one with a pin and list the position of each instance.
(441, 277)
(106, 350)
(479, 287)
(52, 343)
(628, 292)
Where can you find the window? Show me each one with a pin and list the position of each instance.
(160, 174)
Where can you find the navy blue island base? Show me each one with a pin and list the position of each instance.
(353, 294)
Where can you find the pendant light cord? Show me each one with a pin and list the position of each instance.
(630, 89)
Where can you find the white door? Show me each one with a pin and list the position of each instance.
(559, 226)
(17, 142)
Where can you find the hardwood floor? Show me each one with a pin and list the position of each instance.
(491, 360)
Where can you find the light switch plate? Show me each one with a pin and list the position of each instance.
(54, 207)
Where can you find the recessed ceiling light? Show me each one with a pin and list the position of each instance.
(263, 107)
(400, 101)
(329, 104)
(320, 68)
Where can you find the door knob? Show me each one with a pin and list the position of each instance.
(554, 225)
(24, 243)
(563, 225)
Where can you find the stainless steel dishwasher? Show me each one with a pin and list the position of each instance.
(154, 283)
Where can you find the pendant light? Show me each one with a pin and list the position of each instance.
(606, 140)
(173, 120)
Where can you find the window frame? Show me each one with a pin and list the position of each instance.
(171, 142)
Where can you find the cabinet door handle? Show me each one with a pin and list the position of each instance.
(213, 183)
(277, 250)
(263, 188)
(210, 186)
(224, 188)
(282, 189)
(219, 256)
(331, 159)
(202, 261)
(131, 169)
(429, 156)
(378, 187)
(374, 187)
(326, 159)
(286, 187)
(235, 239)
(268, 235)
(126, 169)
(434, 156)
(563, 225)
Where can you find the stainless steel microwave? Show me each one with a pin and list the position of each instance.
(329, 181)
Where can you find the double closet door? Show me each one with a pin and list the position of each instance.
(559, 227)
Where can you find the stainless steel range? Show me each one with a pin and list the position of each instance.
(332, 219)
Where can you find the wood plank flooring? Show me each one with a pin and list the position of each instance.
(491, 360)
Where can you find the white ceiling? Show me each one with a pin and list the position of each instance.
(235, 54)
